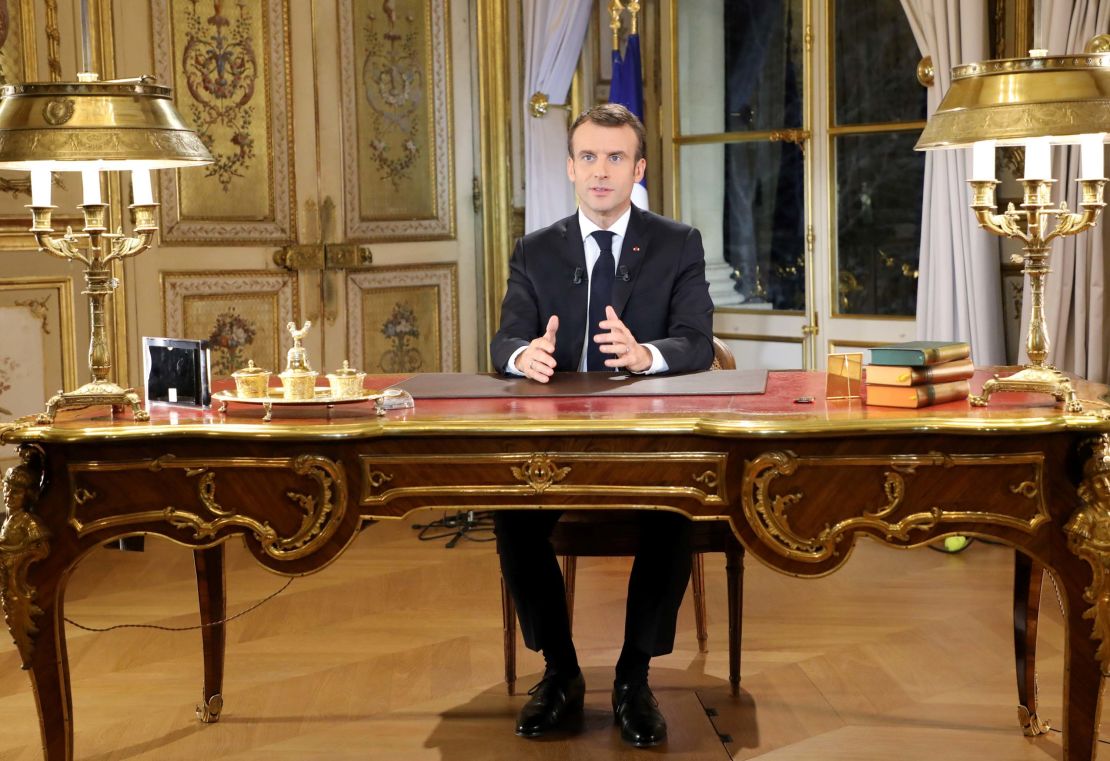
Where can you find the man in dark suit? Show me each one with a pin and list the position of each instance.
(582, 295)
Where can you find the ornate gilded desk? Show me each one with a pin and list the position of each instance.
(800, 483)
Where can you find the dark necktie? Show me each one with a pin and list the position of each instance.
(601, 296)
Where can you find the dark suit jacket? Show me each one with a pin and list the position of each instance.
(665, 300)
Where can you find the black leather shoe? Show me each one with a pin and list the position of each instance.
(637, 712)
(554, 700)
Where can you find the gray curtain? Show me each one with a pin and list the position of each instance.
(959, 292)
(1075, 305)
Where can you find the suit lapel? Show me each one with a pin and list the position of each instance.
(572, 319)
(633, 251)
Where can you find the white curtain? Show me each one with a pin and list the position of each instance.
(553, 35)
(959, 291)
(1075, 303)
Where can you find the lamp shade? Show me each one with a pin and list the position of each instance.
(112, 125)
(1014, 99)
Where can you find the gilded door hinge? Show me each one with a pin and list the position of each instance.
(797, 136)
(811, 238)
(307, 256)
(476, 195)
(347, 256)
(323, 256)
(809, 38)
(812, 328)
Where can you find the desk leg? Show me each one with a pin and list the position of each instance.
(734, 571)
(1027, 604)
(49, 667)
(1082, 682)
(213, 607)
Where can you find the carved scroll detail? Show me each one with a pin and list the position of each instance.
(709, 478)
(769, 511)
(23, 541)
(322, 508)
(332, 497)
(1088, 533)
(540, 472)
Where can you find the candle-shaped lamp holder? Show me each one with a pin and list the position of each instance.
(89, 126)
(1030, 225)
(96, 249)
(1035, 102)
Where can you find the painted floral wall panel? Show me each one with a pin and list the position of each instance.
(17, 64)
(37, 356)
(403, 319)
(14, 65)
(22, 364)
(398, 166)
(241, 314)
(228, 63)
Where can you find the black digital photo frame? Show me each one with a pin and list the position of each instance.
(177, 371)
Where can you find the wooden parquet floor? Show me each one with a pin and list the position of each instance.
(394, 652)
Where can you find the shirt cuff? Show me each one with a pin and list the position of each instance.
(510, 369)
(658, 364)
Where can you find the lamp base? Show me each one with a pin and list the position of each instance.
(1034, 380)
(91, 394)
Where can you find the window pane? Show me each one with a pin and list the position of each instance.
(748, 200)
(879, 181)
(740, 65)
(876, 64)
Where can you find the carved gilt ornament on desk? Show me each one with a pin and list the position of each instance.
(23, 541)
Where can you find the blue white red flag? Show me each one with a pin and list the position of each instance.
(627, 88)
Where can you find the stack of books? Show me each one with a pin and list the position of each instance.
(918, 373)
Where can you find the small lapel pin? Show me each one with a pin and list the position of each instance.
(635, 249)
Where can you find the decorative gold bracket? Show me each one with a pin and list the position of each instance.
(1089, 537)
(208, 712)
(312, 257)
(540, 472)
(23, 541)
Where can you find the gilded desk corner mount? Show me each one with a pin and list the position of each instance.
(1089, 537)
(23, 541)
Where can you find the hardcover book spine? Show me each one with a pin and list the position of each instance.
(939, 393)
(920, 357)
(904, 375)
(917, 396)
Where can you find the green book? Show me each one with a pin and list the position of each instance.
(920, 353)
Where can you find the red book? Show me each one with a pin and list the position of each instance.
(916, 396)
(892, 375)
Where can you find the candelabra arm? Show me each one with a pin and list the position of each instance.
(64, 248)
(1071, 223)
(1005, 224)
(1090, 205)
(124, 246)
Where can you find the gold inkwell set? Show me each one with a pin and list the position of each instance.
(298, 383)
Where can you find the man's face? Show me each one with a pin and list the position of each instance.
(604, 169)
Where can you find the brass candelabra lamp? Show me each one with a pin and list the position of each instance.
(1033, 102)
(90, 127)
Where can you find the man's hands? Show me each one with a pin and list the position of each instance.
(619, 342)
(537, 361)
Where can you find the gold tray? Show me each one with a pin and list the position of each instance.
(276, 397)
